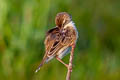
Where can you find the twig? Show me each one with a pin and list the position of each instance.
(70, 63)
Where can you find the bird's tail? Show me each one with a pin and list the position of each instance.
(41, 64)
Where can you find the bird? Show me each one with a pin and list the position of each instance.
(59, 39)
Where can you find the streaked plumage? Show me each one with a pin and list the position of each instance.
(58, 40)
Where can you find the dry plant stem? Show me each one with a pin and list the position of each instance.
(70, 63)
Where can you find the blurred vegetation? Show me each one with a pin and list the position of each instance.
(23, 24)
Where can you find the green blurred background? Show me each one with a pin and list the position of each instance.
(23, 24)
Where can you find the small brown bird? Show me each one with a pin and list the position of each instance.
(58, 40)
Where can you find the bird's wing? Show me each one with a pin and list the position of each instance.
(53, 42)
(56, 40)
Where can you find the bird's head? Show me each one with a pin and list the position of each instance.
(62, 19)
